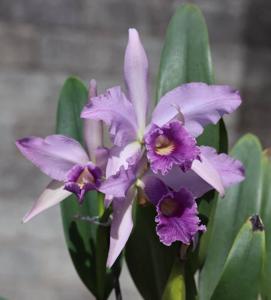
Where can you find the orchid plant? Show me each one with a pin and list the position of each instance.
(154, 158)
(163, 158)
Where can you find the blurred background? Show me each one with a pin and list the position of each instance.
(41, 43)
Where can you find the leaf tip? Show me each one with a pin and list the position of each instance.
(73, 81)
(256, 222)
(190, 6)
(267, 152)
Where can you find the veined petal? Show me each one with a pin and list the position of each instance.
(136, 77)
(122, 157)
(116, 111)
(93, 130)
(198, 103)
(121, 227)
(55, 155)
(52, 195)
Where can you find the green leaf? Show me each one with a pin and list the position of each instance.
(186, 54)
(185, 58)
(266, 216)
(240, 202)
(175, 288)
(241, 273)
(87, 243)
(148, 260)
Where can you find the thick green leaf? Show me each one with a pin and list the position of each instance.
(175, 288)
(149, 261)
(266, 216)
(186, 54)
(185, 58)
(87, 243)
(240, 202)
(207, 208)
(241, 273)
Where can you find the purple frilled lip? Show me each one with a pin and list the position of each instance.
(81, 179)
(177, 213)
(170, 145)
(177, 218)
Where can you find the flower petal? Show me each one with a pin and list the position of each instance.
(154, 188)
(206, 170)
(116, 186)
(122, 157)
(55, 155)
(116, 111)
(101, 158)
(52, 195)
(136, 76)
(198, 103)
(93, 130)
(121, 227)
(218, 170)
(177, 179)
(231, 171)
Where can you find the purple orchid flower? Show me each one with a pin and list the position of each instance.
(67, 163)
(175, 194)
(168, 141)
(177, 214)
(177, 218)
(177, 120)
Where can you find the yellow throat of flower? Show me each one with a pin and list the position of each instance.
(85, 177)
(163, 146)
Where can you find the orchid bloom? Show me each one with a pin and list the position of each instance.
(166, 142)
(67, 163)
(175, 195)
(177, 214)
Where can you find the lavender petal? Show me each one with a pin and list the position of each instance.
(52, 195)
(117, 112)
(200, 104)
(55, 155)
(136, 77)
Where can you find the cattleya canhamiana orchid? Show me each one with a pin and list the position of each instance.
(154, 157)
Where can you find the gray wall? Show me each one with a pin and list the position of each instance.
(41, 43)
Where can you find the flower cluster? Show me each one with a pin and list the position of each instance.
(154, 157)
